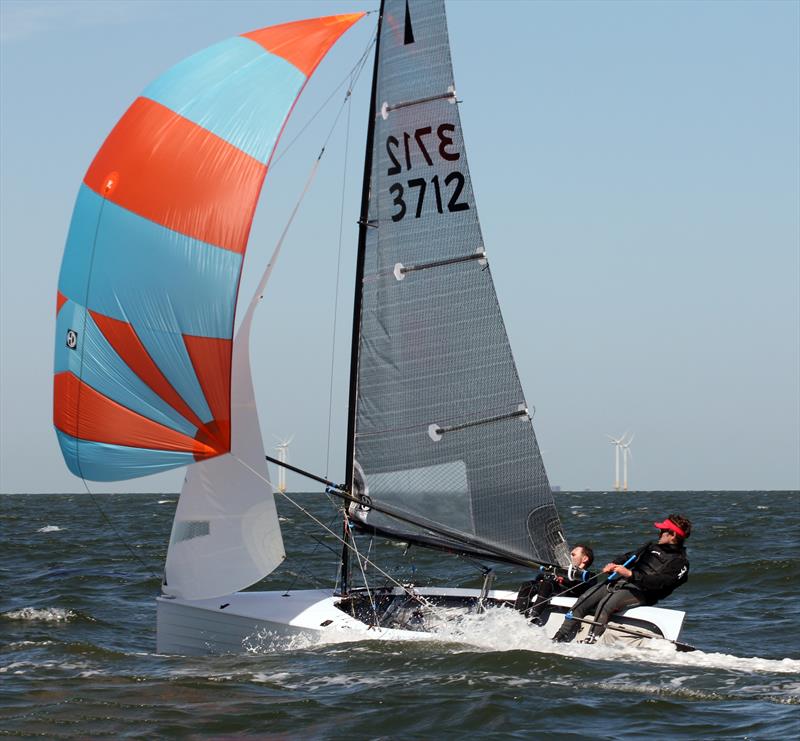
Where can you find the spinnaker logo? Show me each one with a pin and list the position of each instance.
(72, 339)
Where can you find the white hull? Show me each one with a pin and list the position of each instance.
(236, 622)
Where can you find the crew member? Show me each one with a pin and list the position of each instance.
(534, 596)
(656, 570)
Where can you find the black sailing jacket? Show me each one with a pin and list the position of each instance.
(658, 571)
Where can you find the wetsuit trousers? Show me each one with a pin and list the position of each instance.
(539, 590)
(603, 603)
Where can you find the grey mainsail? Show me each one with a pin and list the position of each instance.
(441, 430)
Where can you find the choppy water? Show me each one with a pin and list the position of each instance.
(77, 637)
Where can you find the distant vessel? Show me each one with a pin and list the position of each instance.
(440, 449)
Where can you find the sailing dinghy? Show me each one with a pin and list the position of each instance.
(441, 451)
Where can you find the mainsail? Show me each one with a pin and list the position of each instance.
(147, 376)
(442, 433)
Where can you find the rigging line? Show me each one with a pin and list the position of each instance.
(312, 175)
(338, 274)
(120, 539)
(352, 539)
(82, 339)
(409, 591)
(356, 69)
(276, 251)
(474, 562)
(320, 583)
(486, 550)
(83, 330)
(322, 543)
(319, 543)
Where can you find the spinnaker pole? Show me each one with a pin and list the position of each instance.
(344, 581)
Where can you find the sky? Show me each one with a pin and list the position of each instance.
(636, 168)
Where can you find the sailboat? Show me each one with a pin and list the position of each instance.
(149, 376)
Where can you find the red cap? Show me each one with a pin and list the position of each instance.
(668, 524)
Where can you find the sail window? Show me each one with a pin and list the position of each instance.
(440, 492)
(189, 529)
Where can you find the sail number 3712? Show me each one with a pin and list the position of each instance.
(426, 145)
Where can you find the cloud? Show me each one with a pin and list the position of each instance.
(28, 19)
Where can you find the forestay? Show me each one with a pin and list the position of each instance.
(442, 429)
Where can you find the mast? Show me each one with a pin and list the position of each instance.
(354, 341)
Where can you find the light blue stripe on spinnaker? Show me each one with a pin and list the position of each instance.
(97, 364)
(163, 283)
(107, 462)
(75, 265)
(235, 89)
(143, 271)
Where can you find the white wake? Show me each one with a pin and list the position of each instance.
(506, 630)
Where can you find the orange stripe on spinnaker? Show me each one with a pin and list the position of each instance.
(123, 338)
(61, 299)
(105, 421)
(211, 359)
(178, 174)
(304, 43)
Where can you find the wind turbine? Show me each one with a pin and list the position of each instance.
(626, 453)
(282, 449)
(617, 443)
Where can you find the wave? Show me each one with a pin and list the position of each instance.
(78, 668)
(675, 690)
(47, 614)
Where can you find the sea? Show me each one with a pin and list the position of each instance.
(79, 575)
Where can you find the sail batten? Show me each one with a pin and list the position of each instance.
(442, 433)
